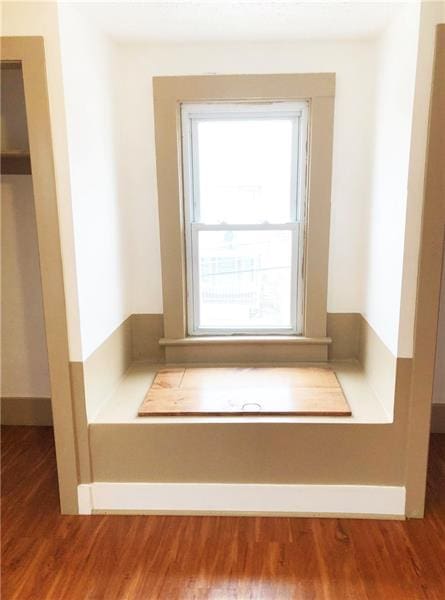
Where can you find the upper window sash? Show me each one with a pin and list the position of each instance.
(193, 114)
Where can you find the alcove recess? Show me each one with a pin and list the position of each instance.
(15, 158)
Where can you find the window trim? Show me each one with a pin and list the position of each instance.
(191, 115)
(169, 92)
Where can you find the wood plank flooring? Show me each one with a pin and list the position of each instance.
(239, 391)
(46, 556)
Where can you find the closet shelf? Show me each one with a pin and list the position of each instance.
(15, 162)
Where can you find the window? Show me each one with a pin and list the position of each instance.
(210, 231)
(244, 177)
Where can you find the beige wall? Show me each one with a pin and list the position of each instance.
(14, 132)
(24, 354)
(24, 359)
(266, 451)
(439, 375)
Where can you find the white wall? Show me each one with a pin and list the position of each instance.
(354, 64)
(114, 223)
(92, 219)
(98, 203)
(40, 19)
(384, 250)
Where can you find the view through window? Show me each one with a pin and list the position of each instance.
(244, 169)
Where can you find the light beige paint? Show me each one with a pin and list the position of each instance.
(80, 421)
(94, 380)
(26, 411)
(30, 52)
(148, 344)
(105, 367)
(127, 448)
(365, 449)
(169, 92)
(255, 349)
(124, 404)
(24, 357)
(344, 331)
(428, 291)
(92, 383)
(146, 331)
(250, 451)
(379, 364)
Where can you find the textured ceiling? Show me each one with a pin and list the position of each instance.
(248, 20)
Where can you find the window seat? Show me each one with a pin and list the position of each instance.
(122, 407)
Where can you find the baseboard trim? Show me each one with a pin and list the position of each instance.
(364, 501)
(26, 411)
(438, 418)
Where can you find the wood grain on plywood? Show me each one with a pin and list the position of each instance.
(240, 391)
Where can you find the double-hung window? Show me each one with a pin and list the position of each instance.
(244, 177)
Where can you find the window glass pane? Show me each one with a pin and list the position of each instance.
(245, 169)
(245, 279)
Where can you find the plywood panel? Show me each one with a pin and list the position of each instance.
(240, 391)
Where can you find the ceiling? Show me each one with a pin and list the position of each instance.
(242, 20)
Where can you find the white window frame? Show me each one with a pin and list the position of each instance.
(191, 114)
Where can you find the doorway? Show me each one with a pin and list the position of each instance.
(26, 57)
(25, 385)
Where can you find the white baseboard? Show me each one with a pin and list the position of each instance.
(84, 500)
(239, 498)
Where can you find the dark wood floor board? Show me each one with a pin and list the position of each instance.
(46, 556)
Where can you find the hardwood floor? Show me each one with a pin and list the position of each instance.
(49, 556)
